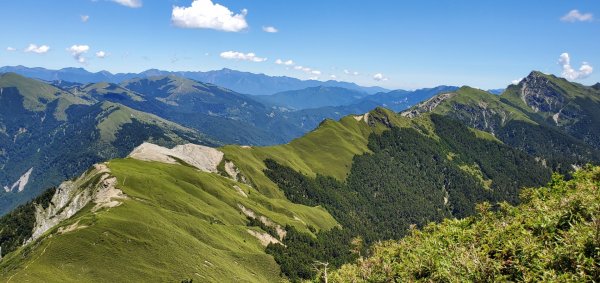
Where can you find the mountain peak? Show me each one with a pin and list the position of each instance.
(596, 86)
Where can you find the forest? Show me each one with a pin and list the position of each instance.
(409, 180)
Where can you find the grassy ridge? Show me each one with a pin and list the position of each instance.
(328, 150)
(178, 223)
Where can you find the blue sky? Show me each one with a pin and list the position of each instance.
(395, 44)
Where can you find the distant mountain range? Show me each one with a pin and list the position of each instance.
(242, 82)
(61, 128)
(256, 214)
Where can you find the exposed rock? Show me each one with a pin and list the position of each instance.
(596, 86)
(240, 191)
(248, 212)
(202, 157)
(264, 238)
(427, 105)
(107, 194)
(539, 93)
(72, 196)
(235, 173)
(69, 228)
(21, 183)
(364, 117)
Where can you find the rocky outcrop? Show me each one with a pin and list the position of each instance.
(540, 94)
(596, 86)
(21, 183)
(97, 186)
(428, 105)
(480, 116)
(234, 173)
(204, 158)
(266, 221)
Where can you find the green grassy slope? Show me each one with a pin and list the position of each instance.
(553, 236)
(36, 94)
(327, 150)
(178, 223)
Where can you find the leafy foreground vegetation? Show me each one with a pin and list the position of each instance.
(553, 235)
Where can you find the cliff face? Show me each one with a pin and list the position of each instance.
(539, 93)
(96, 186)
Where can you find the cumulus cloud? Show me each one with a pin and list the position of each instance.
(316, 72)
(101, 54)
(129, 3)
(234, 55)
(85, 18)
(333, 77)
(286, 62)
(516, 82)
(571, 74)
(77, 51)
(270, 29)
(11, 49)
(576, 16)
(37, 49)
(379, 77)
(205, 14)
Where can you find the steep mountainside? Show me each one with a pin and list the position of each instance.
(48, 135)
(207, 214)
(545, 116)
(553, 236)
(242, 82)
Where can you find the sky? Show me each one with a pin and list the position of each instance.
(394, 44)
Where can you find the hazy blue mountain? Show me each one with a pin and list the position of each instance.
(496, 91)
(399, 100)
(313, 97)
(242, 82)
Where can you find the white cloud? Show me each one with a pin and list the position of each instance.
(37, 49)
(333, 77)
(576, 16)
(516, 82)
(129, 3)
(286, 63)
(85, 18)
(234, 55)
(379, 77)
(77, 52)
(11, 49)
(205, 14)
(571, 74)
(101, 54)
(316, 72)
(270, 29)
(348, 72)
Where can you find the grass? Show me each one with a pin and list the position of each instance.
(37, 94)
(178, 223)
(328, 150)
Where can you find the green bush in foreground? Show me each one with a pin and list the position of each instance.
(554, 235)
